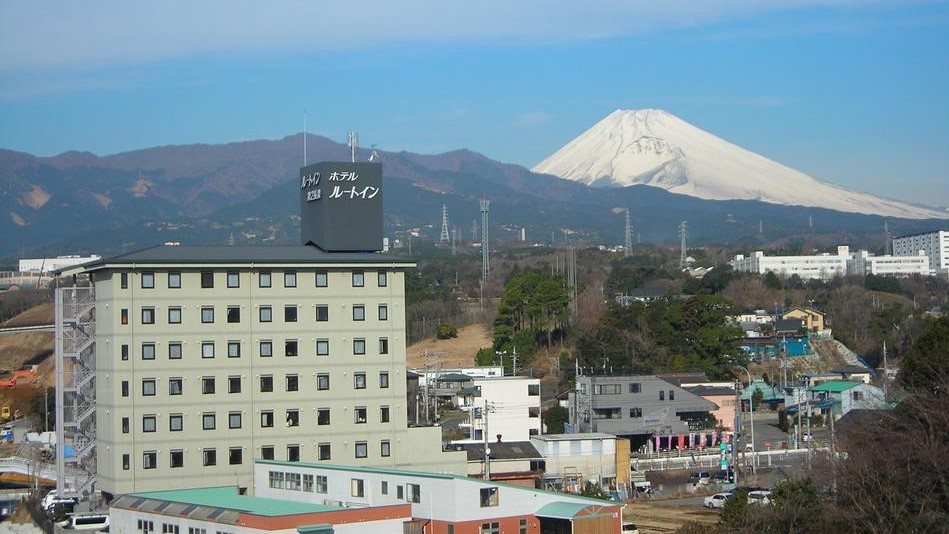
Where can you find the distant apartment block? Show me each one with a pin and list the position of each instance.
(821, 267)
(863, 263)
(935, 245)
(47, 265)
(513, 408)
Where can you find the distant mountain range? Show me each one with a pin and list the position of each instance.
(246, 193)
(654, 148)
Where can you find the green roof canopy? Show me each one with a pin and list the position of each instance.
(835, 386)
(228, 498)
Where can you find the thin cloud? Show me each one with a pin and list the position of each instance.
(52, 34)
(533, 119)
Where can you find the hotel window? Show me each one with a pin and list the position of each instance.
(635, 412)
(263, 280)
(235, 456)
(148, 315)
(148, 280)
(174, 351)
(359, 312)
(125, 425)
(322, 347)
(176, 422)
(359, 414)
(207, 385)
(234, 420)
(210, 457)
(362, 449)
(359, 380)
(208, 421)
(174, 386)
(383, 312)
(383, 345)
(323, 451)
(635, 387)
(293, 382)
(266, 349)
(233, 279)
(383, 414)
(290, 314)
(308, 483)
(293, 480)
(176, 458)
(125, 316)
(124, 280)
(174, 280)
(293, 418)
(233, 349)
(233, 384)
(382, 279)
(293, 455)
(383, 380)
(493, 527)
(357, 488)
(149, 423)
(125, 388)
(207, 279)
(266, 419)
(266, 452)
(321, 279)
(266, 314)
(322, 382)
(148, 351)
(489, 497)
(385, 449)
(290, 279)
(207, 349)
(233, 314)
(266, 383)
(174, 315)
(148, 387)
(125, 353)
(290, 347)
(322, 313)
(359, 346)
(414, 493)
(321, 485)
(207, 314)
(323, 416)
(359, 279)
(150, 460)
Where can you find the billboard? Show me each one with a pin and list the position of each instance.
(341, 206)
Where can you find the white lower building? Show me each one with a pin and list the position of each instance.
(47, 265)
(935, 245)
(513, 408)
(822, 267)
(863, 264)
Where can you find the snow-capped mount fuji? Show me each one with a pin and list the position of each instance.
(655, 148)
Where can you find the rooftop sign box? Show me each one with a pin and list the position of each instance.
(341, 206)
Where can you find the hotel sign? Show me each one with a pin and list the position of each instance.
(341, 206)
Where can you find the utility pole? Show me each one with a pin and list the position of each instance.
(735, 433)
(487, 447)
(514, 357)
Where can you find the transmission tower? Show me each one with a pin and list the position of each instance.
(444, 237)
(485, 257)
(628, 244)
(352, 142)
(474, 230)
(683, 257)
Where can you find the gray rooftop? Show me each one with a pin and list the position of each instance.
(573, 437)
(505, 450)
(226, 254)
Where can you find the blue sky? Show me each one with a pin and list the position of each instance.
(852, 92)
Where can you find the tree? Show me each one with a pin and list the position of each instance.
(771, 281)
(555, 418)
(756, 398)
(446, 331)
(926, 364)
(594, 491)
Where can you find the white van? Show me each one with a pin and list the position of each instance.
(760, 497)
(87, 521)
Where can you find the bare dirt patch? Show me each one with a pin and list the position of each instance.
(456, 352)
(17, 220)
(36, 198)
(652, 517)
(102, 199)
(37, 315)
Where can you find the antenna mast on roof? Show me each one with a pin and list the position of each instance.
(304, 138)
(352, 141)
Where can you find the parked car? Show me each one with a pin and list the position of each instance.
(87, 522)
(722, 477)
(700, 477)
(759, 497)
(718, 500)
(630, 528)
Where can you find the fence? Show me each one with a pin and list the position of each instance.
(426, 328)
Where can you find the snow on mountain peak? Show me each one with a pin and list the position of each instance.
(655, 148)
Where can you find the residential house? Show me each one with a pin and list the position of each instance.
(571, 460)
(813, 320)
(841, 396)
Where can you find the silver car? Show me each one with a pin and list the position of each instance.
(718, 500)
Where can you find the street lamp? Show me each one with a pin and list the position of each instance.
(751, 409)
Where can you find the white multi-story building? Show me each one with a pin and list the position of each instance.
(862, 264)
(47, 265)
(513, 408)
(934, 244)
(209, 356)
(822, 266)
